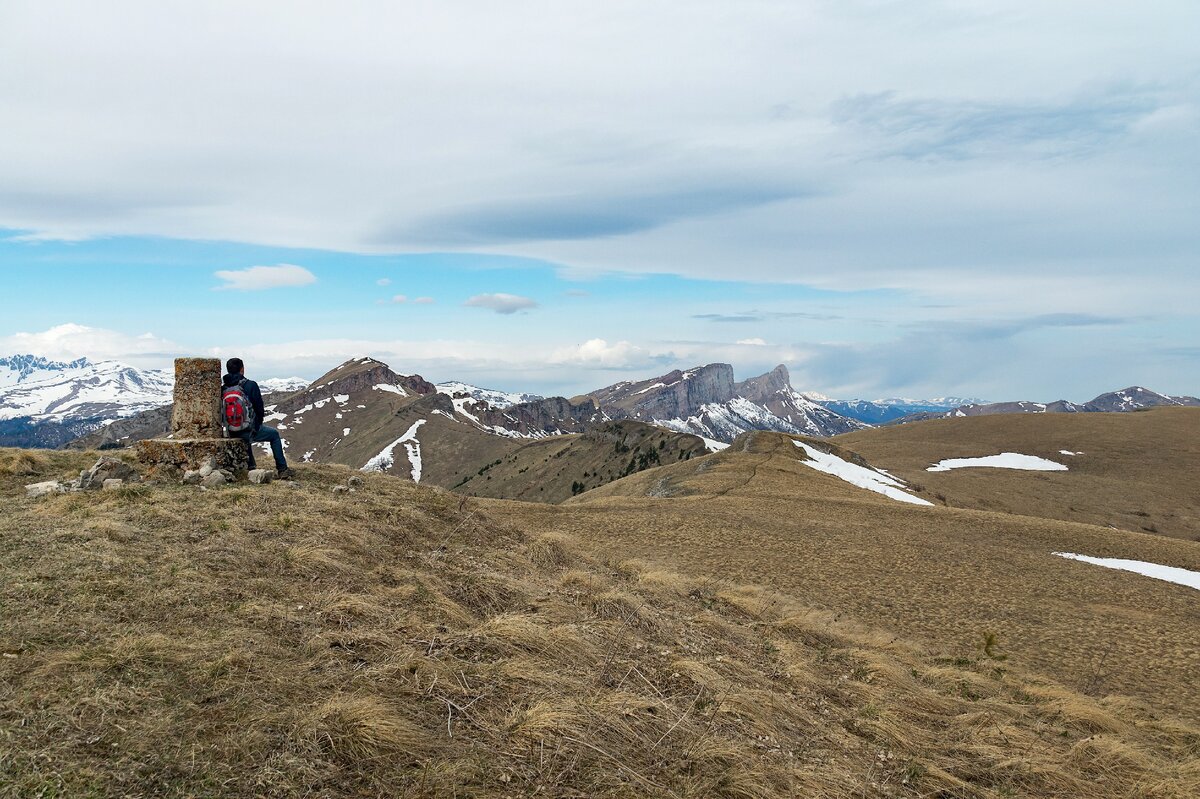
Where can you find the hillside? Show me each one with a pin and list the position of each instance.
(945, 576)
(287, 641)
(557, 468)
(1134, 471)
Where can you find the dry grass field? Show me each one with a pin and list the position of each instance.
(944, 576)
(282, 641)
(1137, 471)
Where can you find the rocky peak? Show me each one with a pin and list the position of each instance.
(359, 374)
(762, 388)
(26, 365)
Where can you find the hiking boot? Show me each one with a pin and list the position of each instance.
(285, 473)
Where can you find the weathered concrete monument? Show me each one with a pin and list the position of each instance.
(196, 436)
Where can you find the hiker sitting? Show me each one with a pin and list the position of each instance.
(242, 409)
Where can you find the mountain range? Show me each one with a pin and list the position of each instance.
(365, 415)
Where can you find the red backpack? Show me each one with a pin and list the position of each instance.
(237, 411)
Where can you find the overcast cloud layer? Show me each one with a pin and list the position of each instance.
(988, 161)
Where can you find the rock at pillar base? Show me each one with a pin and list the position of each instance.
(172, 455)
(197, 409)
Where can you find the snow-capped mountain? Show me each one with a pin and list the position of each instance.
(282, 384)
(1134, 398)
(46, 403)
(706, 401)
(56, 391)
(497, 399)
(882, 411)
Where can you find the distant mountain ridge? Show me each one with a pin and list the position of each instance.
(882, 411)
(1134, 398)
(46, 403)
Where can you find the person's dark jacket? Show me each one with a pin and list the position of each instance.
(250, 388)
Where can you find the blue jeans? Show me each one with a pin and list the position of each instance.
(269, 435)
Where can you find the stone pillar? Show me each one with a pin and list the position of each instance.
(197, 410)
(196, 434)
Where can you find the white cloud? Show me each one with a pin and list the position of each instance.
(399, 299)
(598, 352)
(69, 341)
(423, 301)
(383, 281)
(500, 303)
(256, 278)
(753, 342)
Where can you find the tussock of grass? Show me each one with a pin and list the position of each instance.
(387, 643)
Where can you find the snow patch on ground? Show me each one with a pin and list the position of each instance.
(1172, 574)
(345, 432)
(1068, 452)
(1005, 460)
(412, 447)
(858, 475)
(714, 445)
(388, 387)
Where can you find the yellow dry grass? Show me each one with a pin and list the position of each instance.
(393, 642)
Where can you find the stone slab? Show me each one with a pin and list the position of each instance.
(180, 455)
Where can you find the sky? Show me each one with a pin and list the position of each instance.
(921, 198)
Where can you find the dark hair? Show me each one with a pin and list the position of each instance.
(234, 366)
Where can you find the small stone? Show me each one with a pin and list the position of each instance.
(228, 475)
(355, 482)
(215, 480)
(206, 469)
(192, 477)
(112, 484)
(44, 488)
(261, 476)
(341, 489)
(293, 484)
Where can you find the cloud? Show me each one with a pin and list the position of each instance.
(383, 281)
(423, 301)
(930, 127)
(69, 341)
(753, 342)
(577, 293)
(257, 278)
(501, 303)
(599, 353)
(399, 299)
(589, 215)
(720, 317)
(756, 316)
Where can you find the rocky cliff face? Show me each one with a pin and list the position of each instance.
(707, 402)
(675, 395)
(548, 416)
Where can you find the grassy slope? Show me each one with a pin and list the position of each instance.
(403, 641)
(1137, 471)
(555, 469)
(941, 575)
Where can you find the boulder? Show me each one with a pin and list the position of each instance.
(355, 482)
(106, 469)
(341, 489)
(192, 477)
(261, 476)
(112, 484)
(214, 480)
(44, 488)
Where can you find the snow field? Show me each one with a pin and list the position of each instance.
(412, 447)
(1171, 574)
(1005, 460)
(858, 475)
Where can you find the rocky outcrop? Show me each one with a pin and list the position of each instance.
(550, 416)
(675, 395)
